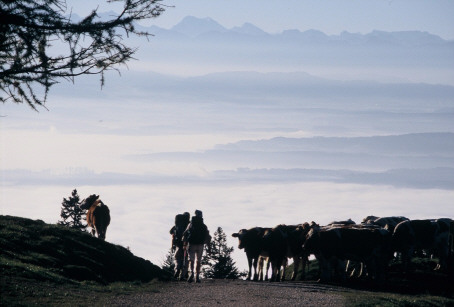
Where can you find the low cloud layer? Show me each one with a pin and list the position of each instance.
(434, 178)
(142, 214)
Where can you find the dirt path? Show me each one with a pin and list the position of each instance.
(236, 293)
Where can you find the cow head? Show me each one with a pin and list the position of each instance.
(240, 235)
(88, 202)
(300, 232)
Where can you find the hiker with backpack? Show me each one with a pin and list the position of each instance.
(180, 255)
(194, 237)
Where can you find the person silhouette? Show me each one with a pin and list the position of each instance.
(194, 238)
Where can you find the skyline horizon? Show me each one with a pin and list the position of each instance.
(337, 34)
(171, 27)
(328, 16)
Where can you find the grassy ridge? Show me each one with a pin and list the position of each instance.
(36, 250)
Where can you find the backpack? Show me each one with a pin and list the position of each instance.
(197, 231)
(181, 222)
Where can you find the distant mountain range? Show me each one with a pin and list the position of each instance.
(201, 45)
(377, 153)
(194, 27)
(419, 160)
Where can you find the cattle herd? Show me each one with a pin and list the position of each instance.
(368, 247)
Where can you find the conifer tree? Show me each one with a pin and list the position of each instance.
(71, 213)
(218, 262)
(43, 43)
(168, 265)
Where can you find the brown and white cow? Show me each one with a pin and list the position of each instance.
(433, 236)
(98, 215)
(332, 246)
(251, 240)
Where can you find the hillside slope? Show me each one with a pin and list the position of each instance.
(36, 250)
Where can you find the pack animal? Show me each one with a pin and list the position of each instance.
(98, 215)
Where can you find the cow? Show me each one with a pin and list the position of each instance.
(295, 240)
(251, 240)
(283, 242)
(98, 215)
(388, 223)
(433, 236)
(275, 242)
(385, 222)
(332, 246)
(355, 268)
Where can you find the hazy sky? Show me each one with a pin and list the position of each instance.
(329, 16)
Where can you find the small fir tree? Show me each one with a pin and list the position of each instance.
(218, 262)
(71, 213)
(168, 264)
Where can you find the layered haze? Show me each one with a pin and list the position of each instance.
(253, 128)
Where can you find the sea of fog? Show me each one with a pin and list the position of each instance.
(143, 214)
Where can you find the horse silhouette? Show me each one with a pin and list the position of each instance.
(98, 215)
